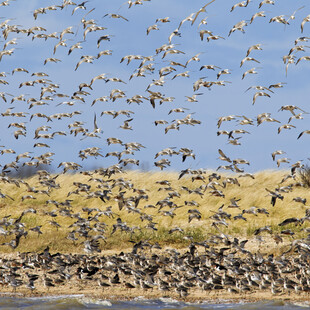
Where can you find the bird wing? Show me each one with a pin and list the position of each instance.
(201, 10)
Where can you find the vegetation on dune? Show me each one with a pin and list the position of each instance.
(146, 206)
(304, 174)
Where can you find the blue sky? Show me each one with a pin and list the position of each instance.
(129, 38)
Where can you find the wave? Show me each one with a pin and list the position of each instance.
(80, 301)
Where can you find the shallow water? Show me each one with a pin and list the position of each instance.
(81, 302)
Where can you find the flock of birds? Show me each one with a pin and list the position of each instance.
(231, 267)
(170, 273)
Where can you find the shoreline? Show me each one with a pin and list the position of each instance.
(46, 275)
(140, 295)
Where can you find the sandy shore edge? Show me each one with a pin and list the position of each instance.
(121, 294)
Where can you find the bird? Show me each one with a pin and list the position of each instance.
(19, 70)
(209, 67)
(241, 4)
(223, 156)
(173, 34)
(282, 160)
(289, 221)
(224, 71)
(302, 58)
(279, 19)
(247, 59)
(177, 110)
(292, 16)
(239, 26)
(295, 116)
(234, 203)
(194, 58)
(266, 2)
(285, 126)
(297, 48)
(305, 20)
(259, 94)
(201, 10)
(277, 85)
(275, 153)
(150, 28)
(203, 32)
(203, 22)
(163, 20)
(301, 39)
(253, 47)
(183, 74)
(250, 71)
(302, 133)
(116, 16)
(225, 118)
(51, 60)
(75, 46)
(291, 108)
(274, 196)
(258, 14)
(79, 6)
(214, 37)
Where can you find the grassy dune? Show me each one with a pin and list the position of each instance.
(251, 192)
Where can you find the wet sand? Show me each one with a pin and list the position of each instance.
(121, 293)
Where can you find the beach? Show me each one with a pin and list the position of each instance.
(93, 276)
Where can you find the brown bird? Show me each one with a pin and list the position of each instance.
(203, 9)
(247, 59)
(274, 196)
(279, 152)
(241, 4)
(305, 20)
(303, 132)
(259, 94)
(258, 14)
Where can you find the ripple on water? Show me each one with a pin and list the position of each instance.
(77, 302)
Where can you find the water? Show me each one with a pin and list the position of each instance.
(80, 302)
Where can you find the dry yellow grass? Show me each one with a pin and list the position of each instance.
(251, 192)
